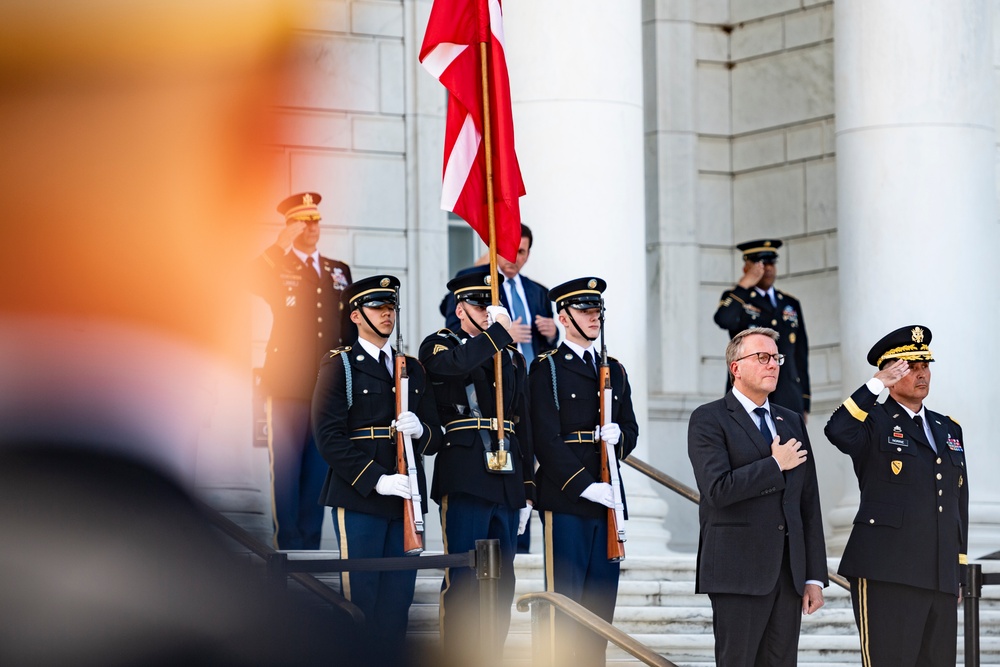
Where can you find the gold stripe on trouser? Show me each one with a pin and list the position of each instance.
(345, 577)
(447, 571)
(550, 584)
(270, 456)
(866, 659)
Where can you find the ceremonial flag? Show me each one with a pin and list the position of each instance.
(451, 52)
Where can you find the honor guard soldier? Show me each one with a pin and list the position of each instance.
(355, 421)
(908, 545)
(754, 302)
(303, 290)
(485, 490)
(572, 498)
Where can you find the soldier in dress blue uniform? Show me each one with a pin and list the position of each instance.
(355, 421)
(754, 302)
(479, 498)
(572, 498)
(303, 290)
(908, 545)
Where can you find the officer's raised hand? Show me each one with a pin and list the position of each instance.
(752, 273)
(789, 455)
(291, 232)
(499, 314)
(894, 372)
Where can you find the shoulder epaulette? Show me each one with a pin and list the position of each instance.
(546, 355)
(339, 350)
(953, 419)
(784, 293)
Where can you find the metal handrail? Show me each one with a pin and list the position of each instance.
(591, 621)
(686, 491)
(268, 554)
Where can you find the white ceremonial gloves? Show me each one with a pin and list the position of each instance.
(523, 515)
(599, 493)
(393, 485)
(609, 433)
(409, 424)
(494, 313)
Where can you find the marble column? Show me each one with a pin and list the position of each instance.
(917, 234)
(576, 85)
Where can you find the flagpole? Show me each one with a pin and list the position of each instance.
(494, 288)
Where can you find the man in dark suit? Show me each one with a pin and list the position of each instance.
(754, 302)
(572, 498)
(303, 290)
(908, 545)
(354, 419)
(533, 327)
(761, 552)
(481, 496)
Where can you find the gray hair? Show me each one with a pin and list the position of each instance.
(735, 348)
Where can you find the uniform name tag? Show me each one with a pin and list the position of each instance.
(899, 442)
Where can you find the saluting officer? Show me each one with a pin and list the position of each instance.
(910, 535)
(355, 420)
(572, 498)
(481, 497)
(303, 290)
(754, 302)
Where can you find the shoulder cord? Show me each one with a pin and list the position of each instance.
(350, 383)
(555, 392)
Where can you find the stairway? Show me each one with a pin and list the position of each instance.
(657, 606)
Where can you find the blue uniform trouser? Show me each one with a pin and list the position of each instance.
(577, 566)
(465, 519)
(384, 597)
(297, 474)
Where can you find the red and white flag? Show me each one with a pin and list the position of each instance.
(451, 53)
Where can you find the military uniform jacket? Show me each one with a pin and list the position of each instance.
(453, 361)
(567, 468)
(357, 464)
(308, 320)
(741, 309)
(912, 524)
(749, 507)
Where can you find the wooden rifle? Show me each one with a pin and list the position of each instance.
(609, 459)
(413, 516)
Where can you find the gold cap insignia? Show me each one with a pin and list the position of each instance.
(592, 284)
(307, 199)
(384, 282)
(918, 335)
(488, 279)
(767, 244)
(897, 467)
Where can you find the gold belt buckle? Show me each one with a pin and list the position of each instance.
(392, 431)
(494, 424)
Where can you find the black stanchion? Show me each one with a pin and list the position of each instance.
(971, 592)
(488, 574)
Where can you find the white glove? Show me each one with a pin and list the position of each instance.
(599, 493)
(393, 485)
(409, 424)
(494, 313)
(611, 433)
(523, 515)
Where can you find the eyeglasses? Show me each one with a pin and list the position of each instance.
(764, 357)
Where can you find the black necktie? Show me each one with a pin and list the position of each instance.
(588, 359)
(764, 429)
(920, 424)
(311, 263)
(383, 359)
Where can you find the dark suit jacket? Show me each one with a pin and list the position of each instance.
(748, 505)
(356, 465)
(566, 469)
(912, 527)
(741, 309)
(538, 304)
(308, 320)
(454, 362)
